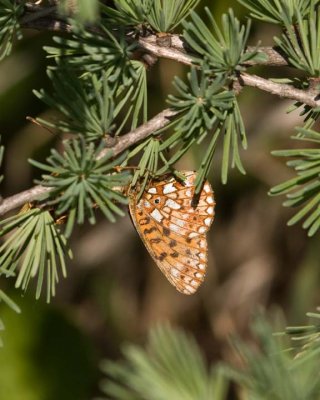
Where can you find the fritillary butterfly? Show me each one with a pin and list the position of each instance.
(174, 230)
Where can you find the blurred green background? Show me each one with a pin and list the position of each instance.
(114, 293)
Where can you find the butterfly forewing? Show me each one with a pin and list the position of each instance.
(173, 229)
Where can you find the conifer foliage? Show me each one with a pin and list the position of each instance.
(284, 367)
(97, 69)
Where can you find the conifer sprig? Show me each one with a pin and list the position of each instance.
(35, 248)
(127, 13)
(94, 52)
(166, 15)
(208, 110)
(11, 304)
(171, 367)
(133, 97)
(273, 371)
(304, 189)
(282, 12)
(223, 50)
(305, 339)
(156, 15)
(3, 296)
(87, 105)
(10, 12)
(80, 181)
(300, 42)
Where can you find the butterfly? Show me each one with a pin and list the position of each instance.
(173, 228)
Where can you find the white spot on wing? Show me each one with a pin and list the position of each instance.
(193, 263)
(169, 188)
(188, 193)
(210, 200)
(189, 181)
(179, 266)
(180, 222)
(201, 266)
(190, 288)
(172, 204)
(207, 188)
(146, 203)
(175, 273)
(193, 234)
(207, 221)
(210, 210)
(156, 215)
(152, 190)
(202, 229)
(174, 228)
(194, 283)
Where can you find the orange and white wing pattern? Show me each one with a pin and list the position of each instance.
(173, 230)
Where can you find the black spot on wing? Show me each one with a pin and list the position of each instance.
(162, 256)
(155, 240)
(147, 231)
(172, 243)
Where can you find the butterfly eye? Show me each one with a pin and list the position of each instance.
(157, 200)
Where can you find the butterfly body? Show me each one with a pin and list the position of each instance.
(174, 229)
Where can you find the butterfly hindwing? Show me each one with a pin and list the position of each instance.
(174, 230)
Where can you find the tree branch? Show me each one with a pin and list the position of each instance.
(17, 200)
(177, 51)
(274, 58)
(156, 123)
(116, 145)
(308, 97)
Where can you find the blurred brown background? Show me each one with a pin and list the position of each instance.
(114, 293)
